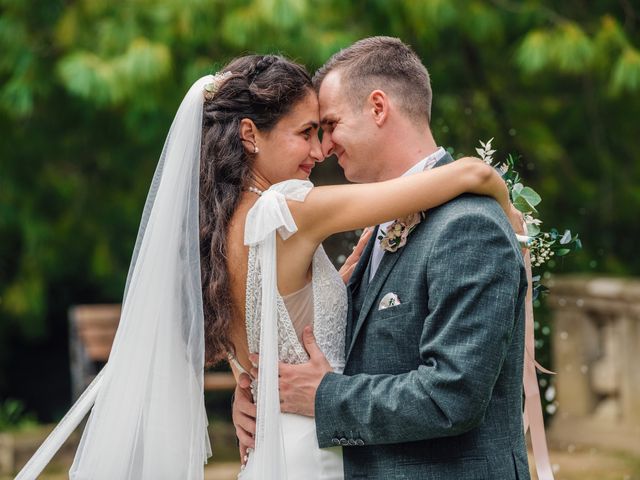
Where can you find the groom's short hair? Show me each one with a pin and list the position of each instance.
(383, 63)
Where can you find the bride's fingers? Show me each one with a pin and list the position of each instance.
(254, 358)
(517, 220)
(245, 438)
(362, 242)
(244, 381)
(346, 272)
(359, 248)
(243, 454)
(243, 415)
(247, 425)
(243, 403)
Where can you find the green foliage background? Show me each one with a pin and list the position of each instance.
(88, 90)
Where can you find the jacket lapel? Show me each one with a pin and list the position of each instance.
(357, 282)
(361, 266)
(386, 264)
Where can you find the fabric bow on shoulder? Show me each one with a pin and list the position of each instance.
(270, 214)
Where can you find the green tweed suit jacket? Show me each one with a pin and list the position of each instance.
(432, 387)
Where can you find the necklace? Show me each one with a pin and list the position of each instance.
(255, 190)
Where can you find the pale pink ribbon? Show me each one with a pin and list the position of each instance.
(532, 405)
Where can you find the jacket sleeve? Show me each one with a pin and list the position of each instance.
(473, 273)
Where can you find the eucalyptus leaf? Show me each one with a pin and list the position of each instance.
(562, 252)
(531, 196)
(517, 188)
(523, 205)
(566, 238)
(533, 229)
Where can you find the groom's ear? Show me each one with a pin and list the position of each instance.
(248, 131)
(378, 105)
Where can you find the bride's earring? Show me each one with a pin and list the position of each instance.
(255, 146)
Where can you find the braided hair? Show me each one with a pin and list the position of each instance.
(262, 88)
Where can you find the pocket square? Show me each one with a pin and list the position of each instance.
(389, 300)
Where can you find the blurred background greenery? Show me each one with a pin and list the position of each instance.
(88, 89)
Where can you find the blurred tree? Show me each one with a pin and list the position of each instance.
(88, 89)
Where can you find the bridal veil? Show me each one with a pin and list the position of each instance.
(148, 419)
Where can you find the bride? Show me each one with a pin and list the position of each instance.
(229, 261)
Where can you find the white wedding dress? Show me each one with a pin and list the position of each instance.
(322, 303)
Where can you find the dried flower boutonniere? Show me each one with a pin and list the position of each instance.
(398, 231)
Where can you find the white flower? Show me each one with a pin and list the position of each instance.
(528, 218)
(486, 153)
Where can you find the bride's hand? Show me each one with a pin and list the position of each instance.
(516, 218)
(352, 260)
(244, 416)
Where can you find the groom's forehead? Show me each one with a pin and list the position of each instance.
(328, 112)
(330, 106)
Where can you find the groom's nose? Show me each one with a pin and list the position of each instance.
(327, 145)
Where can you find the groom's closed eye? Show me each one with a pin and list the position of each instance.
(329, 126)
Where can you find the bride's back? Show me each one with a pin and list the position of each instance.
(237, 259)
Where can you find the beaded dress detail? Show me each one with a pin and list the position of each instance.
(329, 313)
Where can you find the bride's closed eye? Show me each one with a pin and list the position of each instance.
(307, 133)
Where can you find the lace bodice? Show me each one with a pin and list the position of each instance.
(329, 306)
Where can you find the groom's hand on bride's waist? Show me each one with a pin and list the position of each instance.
(299, 383)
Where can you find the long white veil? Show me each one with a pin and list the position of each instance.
(148, 419)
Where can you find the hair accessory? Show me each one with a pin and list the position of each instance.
(213, 87)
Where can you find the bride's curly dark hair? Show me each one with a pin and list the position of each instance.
(263, 88)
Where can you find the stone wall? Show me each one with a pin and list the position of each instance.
(596, 348)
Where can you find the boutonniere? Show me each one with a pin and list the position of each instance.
(398, 231)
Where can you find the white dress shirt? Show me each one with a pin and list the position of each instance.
(424, 164)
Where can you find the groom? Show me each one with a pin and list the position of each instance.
(432, 386)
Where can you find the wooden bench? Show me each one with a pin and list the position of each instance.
(92, 329)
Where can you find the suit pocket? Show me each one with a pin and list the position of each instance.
(395, 311)
(465, 468)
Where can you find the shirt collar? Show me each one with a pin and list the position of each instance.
(426, 162)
